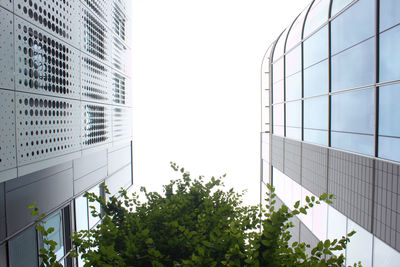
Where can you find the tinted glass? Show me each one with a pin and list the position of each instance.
(389, 55)
(317, 16)
(280, 46)
(278, 114)
(389, 13)
(3, 256)
(363, 144)
(293, 113)
(389, 147)
(316, 79)
(23, 249)
(389, 110)
(316, 136)
(293, 61)
(277, 92)
(295, 34)
(354, 67)
(354, 111)
(277, 69)
(338, 5)
(316, 113)
(316, 47)
(55, 221)
(81, 211)
(293, 87)
(353, 26)
(360, 247)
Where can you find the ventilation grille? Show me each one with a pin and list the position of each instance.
(119, 55)
(119, 22)
(99, 7)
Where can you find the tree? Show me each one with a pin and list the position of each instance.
(197, 223)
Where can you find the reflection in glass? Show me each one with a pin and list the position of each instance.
(293, 87)
(360, 247)
(277, 92)
(81, 213)
(316, 47)
(384, 255)
(316, 119)
(360, 143)
(389, 53)
(317, 16)
(338, 5)
(293, 132)
(354, 111)
(55, 221)
(295, 34)
(280, 46)
(293, 114)
(389, 147)
(293, 61)
(277, 71)
(389, 110)
(316, 136)
(316, 79)
(389, 14)
(354, 67)
(353, 25)
(278, 115)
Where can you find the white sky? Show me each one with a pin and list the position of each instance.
(195, 68)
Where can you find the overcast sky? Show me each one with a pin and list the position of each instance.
(195, 67)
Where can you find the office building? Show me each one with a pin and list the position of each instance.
(65, 109)
(330, 123)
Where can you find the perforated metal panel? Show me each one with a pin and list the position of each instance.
(7, 4)
(60, 18)
(119, 90)
(96, 124)
(119, 20)
(96, 83)
(119, 55)
(121, 124)
(6, 49)
(44, 64)
(99, 7)
(7, 130)
(46, 127)
(95, 36)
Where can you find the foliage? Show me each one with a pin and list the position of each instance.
(197, 223)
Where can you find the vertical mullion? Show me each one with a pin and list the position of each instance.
(376, 77)
(329, 78)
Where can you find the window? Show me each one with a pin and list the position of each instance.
(23, 249)
(279, 49)
(55, 221)
(277, 69)
(94, 220)
(277, 92)
(316, 47)
(389, 66)
(293, 61)
(296, 31)
(389, 13)
(338, 5)
(316, 79)
(278, 118)
(316, 120)
(317, 16)
(293, 87)
(293, 119)
(81, 213)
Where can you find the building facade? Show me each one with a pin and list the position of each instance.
(65, 109)
(330, 123)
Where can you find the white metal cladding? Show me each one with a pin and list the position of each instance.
(96, 80)
(121, 123)
(118, 55)
(119, 89)
(7, 4)
(46, 127)
(95, 36)
(44, 64)
(6, 50)
(119, 20)
(7, 130)
(96, 124)
(60, 18)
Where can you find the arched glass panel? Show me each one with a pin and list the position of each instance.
(389, 13)
(277, 92)
(317, 16)
(354, 25)
(293, 61)
(338, 5)
(279, 49)
(277, 71)
(315, 48)
(296, 31)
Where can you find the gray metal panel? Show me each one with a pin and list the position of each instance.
(277, 152)
(387, 203)
(292, 165)
(118, 159)
(96, 124)
(350, 181)
(3, 256)
(314, 166)
(86, 182)
(7, 130)
(2, 214)
(60, 18)
(7, 4)
(46, 127)
(6, 48)
(23, 249)
(89, 163)
(44, 64)
(120, 179)
(121, 123)
(49, 193)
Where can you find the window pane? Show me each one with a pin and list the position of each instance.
(278, 130)
(317, 16)
(389, 54)
(363, 144)
(389, 13)
(55, 221)
(316, 136)
(384, 255)
(360, 246)
(337, 224)
(293, 132)
(338, 5)
(293, 87)
(277, 92)
(389, 147)
(93, 220)
(280, 46)
(316, 113)
(3, 256)
(293, 61)
(81, 211)
(353, 26)
(295, 34)
(316, 47)
(354, 67)
(354, 111)
(23, 249)
(277, 71)
(389, 110)
(278, 114)
(293, 119)
(316, 79)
